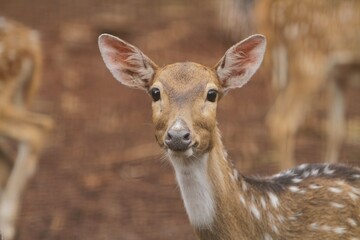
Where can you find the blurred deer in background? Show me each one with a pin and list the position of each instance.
(312, 45)
(20, 73)
(220, 202)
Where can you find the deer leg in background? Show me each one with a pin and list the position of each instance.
(336, 128)
(6, 164)
(20, 75)
(289, 109)
(283, 121)
(341, 75)
(29, 130)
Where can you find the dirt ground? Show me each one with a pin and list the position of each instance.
(101, 175)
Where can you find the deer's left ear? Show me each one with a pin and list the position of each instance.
(240, 62)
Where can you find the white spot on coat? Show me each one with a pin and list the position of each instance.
(335, 190)
(275, 229)
(294, 189)
(232, 177)
(314, 226)
(355, 190)
(236, 174)
(255, 211)
(353, 196)
(267, 236)
(352, 222)
(314, 172)
(306, 174)
(303, 166)
(296, 180)
(328, 171)
(244, 186)
(242, 200)
(339, 230)
(295, 216)
(280, 218)
(314, 186)
(263, 203)
(274, 200)
(337, 205)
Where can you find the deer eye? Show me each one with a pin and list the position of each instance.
(211, 95)
(155, 94)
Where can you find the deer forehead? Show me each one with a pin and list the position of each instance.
(184, 82)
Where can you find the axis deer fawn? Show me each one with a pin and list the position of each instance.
(312, 45)
(311, 201)
(20, 70)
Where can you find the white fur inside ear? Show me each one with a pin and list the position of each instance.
(241, 61)
(126, 63)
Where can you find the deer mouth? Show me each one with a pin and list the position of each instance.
(177, 145)
(188, 151)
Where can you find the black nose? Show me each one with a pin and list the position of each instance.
(178, 139)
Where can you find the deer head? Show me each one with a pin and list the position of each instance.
(184, 95)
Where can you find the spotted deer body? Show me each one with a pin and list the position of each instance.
(313, 45)
(20, 70)
(307, 202)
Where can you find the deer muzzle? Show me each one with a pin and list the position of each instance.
(178, 136)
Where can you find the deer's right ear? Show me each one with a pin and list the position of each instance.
(126, 63)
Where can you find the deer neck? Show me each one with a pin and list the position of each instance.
(206, 183)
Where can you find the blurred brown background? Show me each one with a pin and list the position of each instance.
(102, 175)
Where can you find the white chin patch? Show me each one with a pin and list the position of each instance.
(189, 152)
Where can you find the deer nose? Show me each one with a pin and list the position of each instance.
(178, 136)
